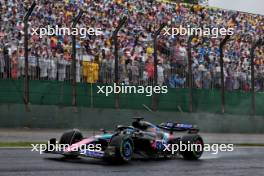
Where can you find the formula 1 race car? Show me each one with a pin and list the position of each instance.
(140, 140)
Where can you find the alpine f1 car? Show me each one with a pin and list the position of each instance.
(140, 140)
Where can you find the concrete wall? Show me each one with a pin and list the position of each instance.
(48, 116)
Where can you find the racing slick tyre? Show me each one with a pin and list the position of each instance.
(193, 152)
(124, 148)
(69, 138)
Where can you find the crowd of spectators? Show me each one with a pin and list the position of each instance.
(50, 56)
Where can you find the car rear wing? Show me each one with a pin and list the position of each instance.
(172, 127)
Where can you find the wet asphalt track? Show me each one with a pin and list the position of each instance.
(240, 162)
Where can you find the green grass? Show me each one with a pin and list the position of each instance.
(19, 144)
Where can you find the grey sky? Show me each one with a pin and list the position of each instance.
(251, 6)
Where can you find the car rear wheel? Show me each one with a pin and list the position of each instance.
(193, 152)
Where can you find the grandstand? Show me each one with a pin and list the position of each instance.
(50, 56)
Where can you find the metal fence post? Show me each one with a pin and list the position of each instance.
(115, 38)
(260, 42)
(26, 80)
(190, 76)
(222, 44)
(155, 55)
(74, 91)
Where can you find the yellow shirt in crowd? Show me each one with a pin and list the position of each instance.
(120, 2)
(90, 71)
(150, 50)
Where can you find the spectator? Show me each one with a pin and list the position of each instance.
(14, 66)
(135, 46)
(160, 72)
(52, 67)
(61, 68)
(44, 64)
